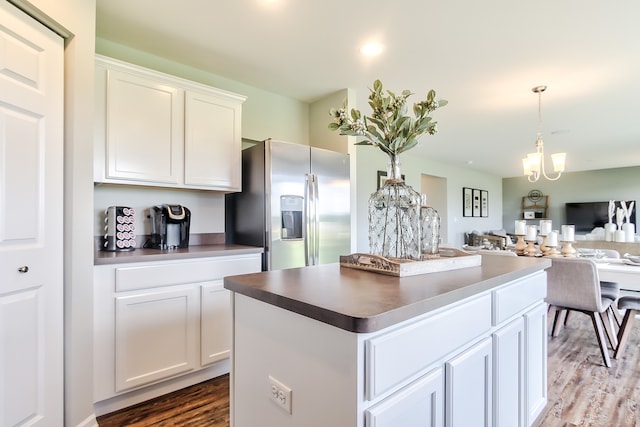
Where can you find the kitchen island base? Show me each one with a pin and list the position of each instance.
(477, 361)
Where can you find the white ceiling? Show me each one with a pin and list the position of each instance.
(483, 57)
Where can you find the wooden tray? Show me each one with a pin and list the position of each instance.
(447, 259)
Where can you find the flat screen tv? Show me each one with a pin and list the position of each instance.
(588, 215)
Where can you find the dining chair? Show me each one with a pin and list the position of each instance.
(573, 285)
(631, 304)
(610, 290)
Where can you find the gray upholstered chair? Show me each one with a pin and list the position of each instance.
(611, 290)
(631, 304)
(573, 284)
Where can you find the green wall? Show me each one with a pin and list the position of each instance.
(588, 186)
(371, 159)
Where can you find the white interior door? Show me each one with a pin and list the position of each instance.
(31, 167)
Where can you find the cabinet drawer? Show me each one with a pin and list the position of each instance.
(398, 356)
(519, 295)
(152, 276)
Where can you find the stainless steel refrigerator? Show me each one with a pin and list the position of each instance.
(294, 202)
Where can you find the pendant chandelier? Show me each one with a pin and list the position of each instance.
(533, 164)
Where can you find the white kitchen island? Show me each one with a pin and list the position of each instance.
(330, 346)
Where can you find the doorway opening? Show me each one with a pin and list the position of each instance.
(435, 187)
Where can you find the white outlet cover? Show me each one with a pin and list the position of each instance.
(280, 394)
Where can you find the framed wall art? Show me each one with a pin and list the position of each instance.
(382, 178)
(467, 201)
(476, 202)
(484, 203)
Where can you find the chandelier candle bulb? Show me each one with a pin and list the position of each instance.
(545, 227)
(520, 227)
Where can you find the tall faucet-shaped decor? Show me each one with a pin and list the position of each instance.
(628, 227)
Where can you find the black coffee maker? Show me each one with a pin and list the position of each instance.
(169, 227)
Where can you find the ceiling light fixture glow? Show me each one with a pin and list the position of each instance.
(371, 49)
(533, 164)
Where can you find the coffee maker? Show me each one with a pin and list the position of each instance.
(169, 227)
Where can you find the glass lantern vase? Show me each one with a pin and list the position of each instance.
(394, 217)
(430, 224)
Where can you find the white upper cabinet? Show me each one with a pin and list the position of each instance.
(212, 141)
(144, 129)
(159, 130)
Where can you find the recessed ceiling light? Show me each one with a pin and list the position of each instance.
(371, 49)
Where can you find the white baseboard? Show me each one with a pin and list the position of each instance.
(90, 421)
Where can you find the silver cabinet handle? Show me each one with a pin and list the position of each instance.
(23, 269)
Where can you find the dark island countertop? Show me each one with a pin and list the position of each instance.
(196, 251)
(361, 301)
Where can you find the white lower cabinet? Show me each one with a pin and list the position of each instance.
(215, 323)
(468, 387)
(419, 404)
(495, 381)
(535, 325)
(161, 325)
(509, 371)
(156, 335)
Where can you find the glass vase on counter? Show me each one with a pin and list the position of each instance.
(394, 217)
(430, 221)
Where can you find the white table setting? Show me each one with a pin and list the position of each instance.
(624, 270)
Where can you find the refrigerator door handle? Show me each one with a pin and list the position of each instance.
(308, 196)
(311, 241)
(316, 222)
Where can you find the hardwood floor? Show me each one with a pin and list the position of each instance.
(204, 404)
(582, 391)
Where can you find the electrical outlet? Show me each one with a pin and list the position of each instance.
(280, 394)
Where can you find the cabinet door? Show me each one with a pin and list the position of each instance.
(420, 404)
(156, 335)
(144, 131)
(215, 324)
(468, 387)
(508, 365)
(212, 141)
(535, 361)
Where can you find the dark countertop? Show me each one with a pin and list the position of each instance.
(196, 251)
(361, 301)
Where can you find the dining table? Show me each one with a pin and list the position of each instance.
(621, 270)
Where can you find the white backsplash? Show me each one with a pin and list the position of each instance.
(207, 207)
